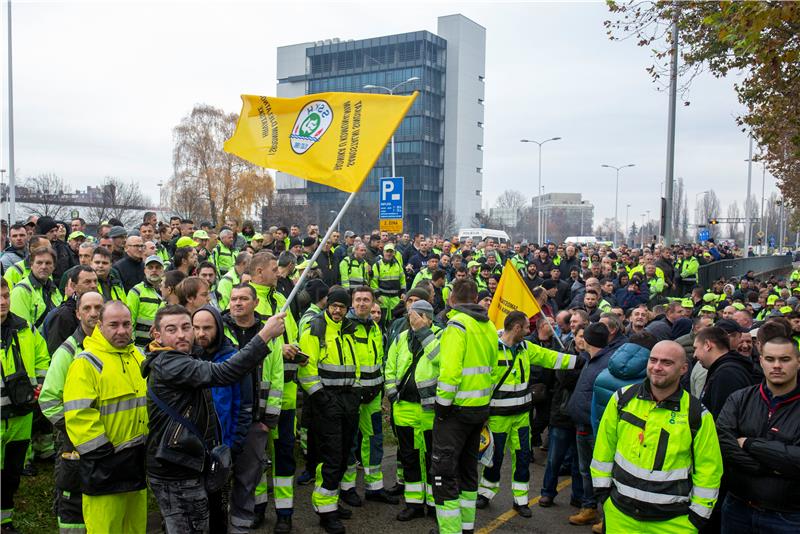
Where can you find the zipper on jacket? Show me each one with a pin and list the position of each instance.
(186, 414)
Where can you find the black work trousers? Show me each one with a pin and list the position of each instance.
(334, 423)
(454, 461)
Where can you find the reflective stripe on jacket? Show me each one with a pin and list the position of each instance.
(648, 460)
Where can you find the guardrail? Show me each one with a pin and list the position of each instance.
(739, 267)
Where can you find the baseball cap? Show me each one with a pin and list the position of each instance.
(730, 326)
(388, 246)
(473, 263)
(186, 241)
(257, 237)
(349, 233)
(200, 234)
(77, 235)
(154, 258)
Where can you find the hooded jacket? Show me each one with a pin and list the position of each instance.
(182, 380)
(628, 365)
(726, 375)
(233, 403)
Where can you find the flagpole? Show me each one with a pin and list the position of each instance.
(553, 330)
(317, 252)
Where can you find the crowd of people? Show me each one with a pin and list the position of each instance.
(159, 356)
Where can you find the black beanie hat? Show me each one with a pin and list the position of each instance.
(596, 335)
(340, 296)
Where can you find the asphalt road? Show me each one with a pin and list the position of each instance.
(374, 518)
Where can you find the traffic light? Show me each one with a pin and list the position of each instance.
(713, 221)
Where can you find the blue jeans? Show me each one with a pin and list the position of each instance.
(739, 518)
(562, 443)
(585, 447)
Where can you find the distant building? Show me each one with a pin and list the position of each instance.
(508, 217)
(438, 146)
(565, 214)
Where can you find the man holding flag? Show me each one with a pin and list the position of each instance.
(329, 138)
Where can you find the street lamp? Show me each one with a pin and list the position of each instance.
(616, 197)
(334, 212)
(697, 208)
(430, 221)
(627, 211)
(391, 91)
(539, 207)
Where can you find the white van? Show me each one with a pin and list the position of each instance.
(481, 234)
(581, 240)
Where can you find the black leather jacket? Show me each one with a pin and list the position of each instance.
(766, 470)
(182, 381)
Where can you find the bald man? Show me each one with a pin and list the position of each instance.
(657, 455)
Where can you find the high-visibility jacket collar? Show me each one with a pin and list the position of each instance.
(673, 402)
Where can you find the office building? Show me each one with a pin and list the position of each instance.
(565, 214)
(438, 146)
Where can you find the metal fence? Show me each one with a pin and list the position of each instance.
(739, 267)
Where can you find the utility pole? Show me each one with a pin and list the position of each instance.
(673, 92)
(747, 198)
(12, 178)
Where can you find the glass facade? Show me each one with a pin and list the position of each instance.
(419, 140)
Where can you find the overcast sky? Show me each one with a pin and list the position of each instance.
(98, 87)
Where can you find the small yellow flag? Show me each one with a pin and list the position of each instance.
(328, 138)
(512, 294)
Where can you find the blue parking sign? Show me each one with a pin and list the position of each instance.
(703, 235)
(391, 198)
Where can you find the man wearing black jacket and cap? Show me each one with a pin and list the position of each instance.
(175, 456)
(61, 322)
(48, 227)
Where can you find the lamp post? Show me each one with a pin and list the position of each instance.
(627, 211)
(430, 221)
(391, 91)
(616, 196)
(539, 206)
(334, 212)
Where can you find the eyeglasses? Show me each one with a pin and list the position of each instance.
(137, 246)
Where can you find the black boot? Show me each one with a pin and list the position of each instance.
(331, 523)
(382, 496)
(411, 511)
(481, 502)
(523, 510)
(351, 498)
(345, 513)
(283, 525)
(260, 513)
(396, 490)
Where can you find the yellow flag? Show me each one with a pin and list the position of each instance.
(328, 138)
(512, 294)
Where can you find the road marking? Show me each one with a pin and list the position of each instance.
(507, 516)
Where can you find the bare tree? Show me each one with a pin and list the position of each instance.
(680, 217)
(224, 184)
(120, 200)
(708, 208)
(45, 194)
(606, 228)
(511, 199)
(484, 220)
(445, 223)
